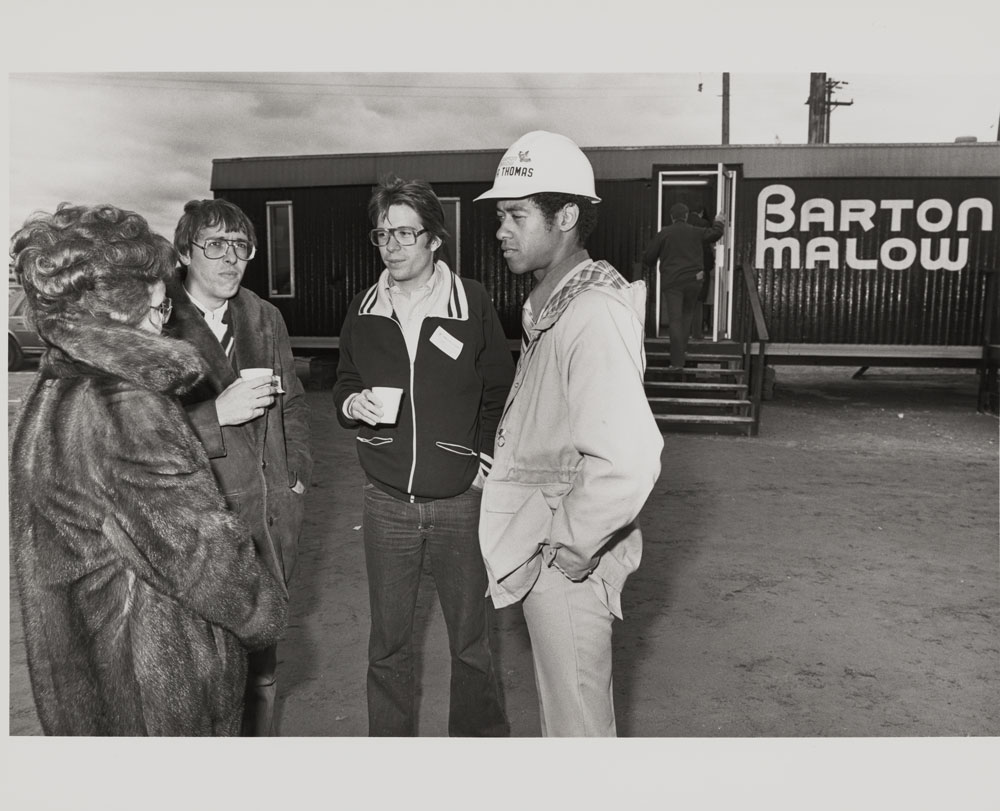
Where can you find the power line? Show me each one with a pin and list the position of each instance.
(339, 89)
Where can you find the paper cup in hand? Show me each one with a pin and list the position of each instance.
(390, 398)
(262, 371)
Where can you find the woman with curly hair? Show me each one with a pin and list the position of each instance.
(140, 593)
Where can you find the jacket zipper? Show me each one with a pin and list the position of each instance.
(413, 412)
(413, 407)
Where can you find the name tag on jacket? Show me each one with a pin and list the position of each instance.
(447, 343)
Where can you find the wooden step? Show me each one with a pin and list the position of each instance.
(667, 409)
(707, 419)
(739, 388)
(660, 373)
(695, 357)
(698, 401)
(723, 345)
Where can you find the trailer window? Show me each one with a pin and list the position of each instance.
(280, 250)
(452, 222)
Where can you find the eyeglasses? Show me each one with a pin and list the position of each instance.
(404, 236)
(164, 308)
(217, 247)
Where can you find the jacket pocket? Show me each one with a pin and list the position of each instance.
(375, 441)
(460, 450)
(515, 521)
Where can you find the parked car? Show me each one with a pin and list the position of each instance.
(22, 340)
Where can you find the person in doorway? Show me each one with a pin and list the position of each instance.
(680, 250)
(578, 449)
(255, 431)
(140, 592)
(701, 321)
(436, 336)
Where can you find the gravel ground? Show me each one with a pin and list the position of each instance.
(834, 577)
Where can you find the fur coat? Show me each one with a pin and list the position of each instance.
(140, 592)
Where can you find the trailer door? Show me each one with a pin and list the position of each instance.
(722, 280)
(708, 185)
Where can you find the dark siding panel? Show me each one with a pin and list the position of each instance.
(334, 261)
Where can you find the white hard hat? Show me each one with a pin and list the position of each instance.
(542, 161)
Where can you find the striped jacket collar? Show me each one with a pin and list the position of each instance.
(587, 275)
(454, 306)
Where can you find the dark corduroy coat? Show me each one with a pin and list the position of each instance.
(258, 463)
(140, 592)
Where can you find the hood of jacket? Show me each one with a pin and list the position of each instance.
(88, 346)
(597, 275)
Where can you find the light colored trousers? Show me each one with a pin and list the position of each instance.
(570, 631)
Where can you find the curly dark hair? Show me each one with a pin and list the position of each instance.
(551, 203)
(89, 261)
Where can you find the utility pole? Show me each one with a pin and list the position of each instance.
(725, 108)
(817, 119)
(821, 103)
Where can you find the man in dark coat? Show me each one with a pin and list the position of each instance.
(255, 431)
(679, 249)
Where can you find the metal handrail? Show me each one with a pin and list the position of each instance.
(987, 401)
(753, 325)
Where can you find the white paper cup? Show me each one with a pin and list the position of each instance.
(391, 398)
(262, 371)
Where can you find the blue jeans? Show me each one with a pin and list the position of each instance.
(396, 534)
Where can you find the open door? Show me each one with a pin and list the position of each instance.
(722, 280)
(713, 191)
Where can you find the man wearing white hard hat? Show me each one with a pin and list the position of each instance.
(577, 450)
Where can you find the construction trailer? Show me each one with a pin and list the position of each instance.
(850, 254)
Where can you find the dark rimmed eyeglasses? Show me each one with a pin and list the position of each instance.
(404, 236)
(164, 308)
(217, 247)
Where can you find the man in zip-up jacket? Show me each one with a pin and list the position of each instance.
(436, 336)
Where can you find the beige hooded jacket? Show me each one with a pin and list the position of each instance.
(578, 449)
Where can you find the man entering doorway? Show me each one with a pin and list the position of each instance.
(680, 250)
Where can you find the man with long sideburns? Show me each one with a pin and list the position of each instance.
(578, 449)
(436, 336)
(255, 431)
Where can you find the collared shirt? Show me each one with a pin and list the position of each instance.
(413, 306)
(212, 317)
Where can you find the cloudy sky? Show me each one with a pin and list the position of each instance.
(90, 121)
(146, 140)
